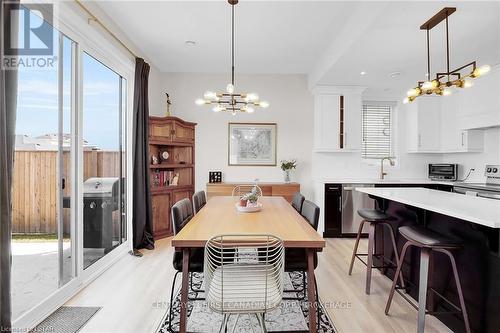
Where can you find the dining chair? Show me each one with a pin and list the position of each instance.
(244, 275)
(296, 259)
(297, 201)
(182, 213)
(240, 190)
(199, 200)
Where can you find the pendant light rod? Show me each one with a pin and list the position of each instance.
(232, 3)
(428, 56)
(447, 48)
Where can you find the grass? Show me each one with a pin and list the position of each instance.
(35, 238)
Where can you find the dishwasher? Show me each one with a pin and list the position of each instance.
(353, 200)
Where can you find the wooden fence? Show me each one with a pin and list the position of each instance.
(34, 191)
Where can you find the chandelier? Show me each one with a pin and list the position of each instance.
(443, 82)
(231, 101)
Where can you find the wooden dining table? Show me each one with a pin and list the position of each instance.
(277, 217)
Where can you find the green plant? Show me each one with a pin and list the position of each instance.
(288, 165)
(251, 197)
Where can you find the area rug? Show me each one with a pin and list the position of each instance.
(291, 316)
(67, 319)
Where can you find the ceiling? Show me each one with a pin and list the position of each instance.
(331, 41)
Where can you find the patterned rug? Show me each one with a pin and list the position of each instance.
(291, 316)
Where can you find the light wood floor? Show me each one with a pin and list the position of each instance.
(134, 294)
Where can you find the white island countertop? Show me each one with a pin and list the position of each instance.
(478, 210)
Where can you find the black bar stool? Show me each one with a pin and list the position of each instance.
(428, 241)
(374, 217)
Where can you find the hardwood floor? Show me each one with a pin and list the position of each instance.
(135, 292)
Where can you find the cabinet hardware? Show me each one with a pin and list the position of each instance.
(463, 138)
(419, 140)
(340, 203)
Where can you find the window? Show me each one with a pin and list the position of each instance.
(377, 130)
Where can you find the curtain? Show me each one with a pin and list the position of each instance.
(8, 100)
(142, 220)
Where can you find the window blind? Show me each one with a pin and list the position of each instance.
(377, 134)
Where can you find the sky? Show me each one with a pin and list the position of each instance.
(37, 110)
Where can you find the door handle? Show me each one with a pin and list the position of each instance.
(462, 138)
(340, 203)
(348, 188)
(63, 183)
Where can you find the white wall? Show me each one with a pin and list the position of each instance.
(291, 107)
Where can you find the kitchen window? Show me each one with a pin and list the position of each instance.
(377, 130)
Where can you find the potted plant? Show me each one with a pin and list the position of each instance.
(251, 197)
(287, 167)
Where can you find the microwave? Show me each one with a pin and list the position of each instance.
(443, 172)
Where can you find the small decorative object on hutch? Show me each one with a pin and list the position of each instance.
(214, 176)
(168, 113)
(171, 141)
(287, 167)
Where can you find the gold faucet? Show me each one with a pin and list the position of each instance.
(391, 162)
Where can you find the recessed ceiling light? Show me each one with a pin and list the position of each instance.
(190, 43)
(362, 73)
(394, 75)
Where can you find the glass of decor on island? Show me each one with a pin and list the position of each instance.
(287, 167)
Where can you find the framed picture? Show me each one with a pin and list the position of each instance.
(252, 144)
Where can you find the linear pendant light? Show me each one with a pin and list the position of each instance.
(231, 101)
(443, 82)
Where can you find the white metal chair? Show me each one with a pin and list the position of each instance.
(240, 190)
(244, 275)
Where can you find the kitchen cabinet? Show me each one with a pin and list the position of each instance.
(453, 137)
(433, 126)
(423, 125)
(479, 105)
(337, 118)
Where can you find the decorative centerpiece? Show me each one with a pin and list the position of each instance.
(287, 167)
(249, 202)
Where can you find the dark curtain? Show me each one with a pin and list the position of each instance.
(142, 220)
(8, 99)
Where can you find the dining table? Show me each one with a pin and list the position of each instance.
(277, 217)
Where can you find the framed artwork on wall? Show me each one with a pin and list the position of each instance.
(252, 144)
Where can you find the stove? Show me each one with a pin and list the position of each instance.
(489, 189)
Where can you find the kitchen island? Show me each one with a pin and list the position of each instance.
(476, 222)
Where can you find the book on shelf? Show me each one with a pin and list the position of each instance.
(162, 178)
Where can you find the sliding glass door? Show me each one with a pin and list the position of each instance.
(43, 230)
(69, 179)
(104, 222)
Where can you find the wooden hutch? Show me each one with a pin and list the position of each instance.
(176, 137)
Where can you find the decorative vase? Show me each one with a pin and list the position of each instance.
(287, 176)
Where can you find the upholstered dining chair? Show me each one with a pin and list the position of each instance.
(244, 275)
(296, 259)
(199, 200)
(182, 213)
(240, 190)
(297, 201)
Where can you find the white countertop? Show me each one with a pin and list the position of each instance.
(380, 181)
(478, 210)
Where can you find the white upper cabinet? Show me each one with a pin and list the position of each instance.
(433, 126)
(337, 118)
(423, 125)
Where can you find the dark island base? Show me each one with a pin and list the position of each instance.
(478, 265)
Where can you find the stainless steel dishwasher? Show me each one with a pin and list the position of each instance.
(353, 200)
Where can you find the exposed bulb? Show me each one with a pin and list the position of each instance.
(412, 92)
(210, 95)
(230, 88)
(467, 83)
(406, 100)
(234, 113)
(434, 83)
(252, 97)
(199, 101)
(427, 85)
(446, 92)
(250, 110)
(264, 104)
(218, 108)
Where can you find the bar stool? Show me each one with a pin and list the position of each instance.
(427, 241)
(374, 217)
